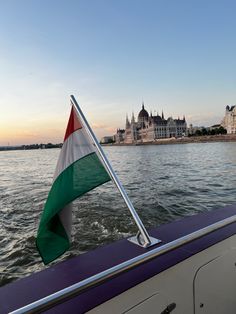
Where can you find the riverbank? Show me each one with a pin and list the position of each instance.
(183, 140)
(31, 146)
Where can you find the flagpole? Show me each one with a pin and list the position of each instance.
(146, 240)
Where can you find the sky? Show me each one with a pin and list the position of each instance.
(175, 55)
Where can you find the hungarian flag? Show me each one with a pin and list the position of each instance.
(78, 171)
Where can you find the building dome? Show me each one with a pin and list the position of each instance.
(143, 114)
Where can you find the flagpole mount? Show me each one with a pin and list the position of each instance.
(142, 238)
(138, 240)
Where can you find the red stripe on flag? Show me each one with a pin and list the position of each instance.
(73, 124)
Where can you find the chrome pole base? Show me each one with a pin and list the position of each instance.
(138, 240)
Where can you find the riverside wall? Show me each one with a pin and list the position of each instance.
(183, 140)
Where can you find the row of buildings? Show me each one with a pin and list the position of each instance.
(149, 128)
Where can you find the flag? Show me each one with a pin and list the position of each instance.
(78, 171)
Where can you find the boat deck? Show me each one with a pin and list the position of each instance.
(64, 274)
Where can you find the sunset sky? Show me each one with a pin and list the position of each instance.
(176, 55)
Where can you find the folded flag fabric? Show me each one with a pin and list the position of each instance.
(78, 171)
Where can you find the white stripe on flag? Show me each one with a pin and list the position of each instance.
(76, 146)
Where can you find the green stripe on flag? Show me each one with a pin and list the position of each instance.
(80, 177)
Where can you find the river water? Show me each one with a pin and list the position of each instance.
(164, 183)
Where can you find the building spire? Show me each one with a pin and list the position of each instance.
(132, 119)
(162, 115)
(127, 123)
(142, 104)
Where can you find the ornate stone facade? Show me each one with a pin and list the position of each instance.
(149, 128)
(229, 121)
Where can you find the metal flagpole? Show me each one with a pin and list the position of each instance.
(143, 239)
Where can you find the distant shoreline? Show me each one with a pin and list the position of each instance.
(184, 140)
(30, 147)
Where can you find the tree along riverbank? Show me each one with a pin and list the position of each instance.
(183, 140)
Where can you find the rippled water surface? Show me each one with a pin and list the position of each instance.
(163, 182)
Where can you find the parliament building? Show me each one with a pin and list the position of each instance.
(149, 128)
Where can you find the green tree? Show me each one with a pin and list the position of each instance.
(198, 133)
(221, 130)
(204, 131)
